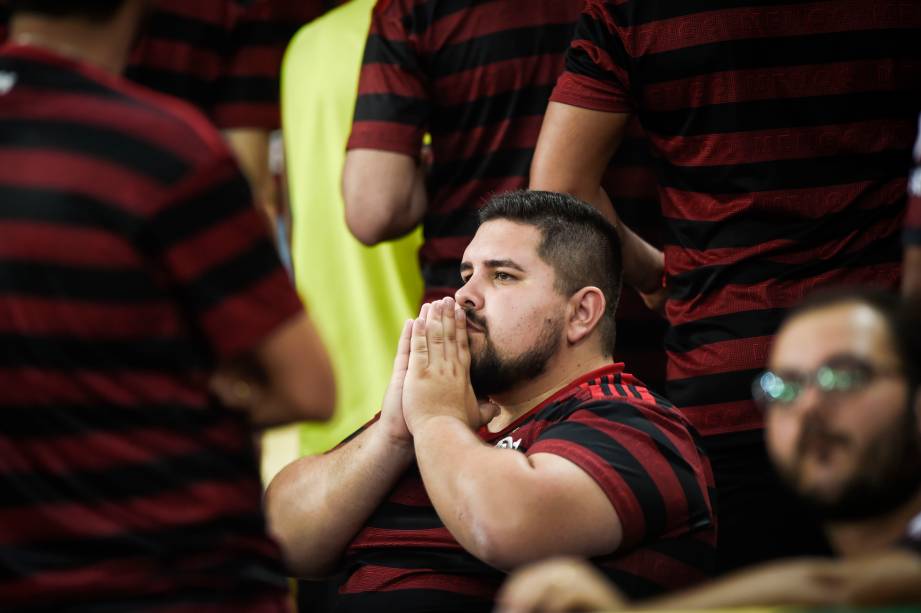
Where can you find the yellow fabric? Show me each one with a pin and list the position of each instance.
(357, 296)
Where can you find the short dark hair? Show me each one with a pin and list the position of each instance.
(91, 9)
(576, 240)
(901, 317)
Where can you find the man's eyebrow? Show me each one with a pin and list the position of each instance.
(502, 264)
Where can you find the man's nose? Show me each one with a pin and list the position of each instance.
(467, 297)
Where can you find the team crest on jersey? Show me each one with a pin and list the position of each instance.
(508, 443)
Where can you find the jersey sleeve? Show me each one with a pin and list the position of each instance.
(655, 485)
(596, 75)
(393, 106)
(217, 258)
(913, 219)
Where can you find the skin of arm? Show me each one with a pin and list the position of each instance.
(559, 585)
(384, 194)
(572, 154)
(911, 273)
(317, 504)
(250, 147)
(502, 506)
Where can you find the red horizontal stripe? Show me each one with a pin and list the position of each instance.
(516, 133)
(499, 77)
(387, 136)
(370, 538)
(411, 492)
(659, 568)
(190, 505)
(913, 219)
(778, 83)
(81, 320)
(25, 386)
(776, 293)
(240, 322)
(187, 59)
(228, 115)
(805, 203)
(783, 144)
(62, 455)
(737, 354)
(498, 17)
(68, 246)
(164, 122)
(444, 248)
(724, 417)
(586, 92)
(263, 61)
(217, 244)
(789, 252)
(211, 12)
(79, 175)
(391, 79)
(473, 195)
(701, 28)
(385, 579)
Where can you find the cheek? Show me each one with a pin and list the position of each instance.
(781, 434)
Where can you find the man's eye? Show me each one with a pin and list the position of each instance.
(503, 276)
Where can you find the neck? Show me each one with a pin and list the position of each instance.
(561, 370)
(105, 45)
(873, 535)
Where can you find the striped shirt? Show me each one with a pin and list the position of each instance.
(474, 74)
(782, 133)
(131, 262)
(638, 449)
(224, 56)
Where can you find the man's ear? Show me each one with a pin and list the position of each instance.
(586, 308)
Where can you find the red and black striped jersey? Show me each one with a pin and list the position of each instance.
(781, 133)
(224, 56)
(132, 261)
(913, 219)
(637, 447)
(474, 74)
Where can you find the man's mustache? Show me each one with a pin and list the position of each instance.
(815, 433)
(476, 320)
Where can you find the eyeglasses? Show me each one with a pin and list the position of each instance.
(844, 374)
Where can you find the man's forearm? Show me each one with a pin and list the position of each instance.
(317, 504)
(911, 275)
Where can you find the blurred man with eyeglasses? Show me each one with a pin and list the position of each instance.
(842, 404)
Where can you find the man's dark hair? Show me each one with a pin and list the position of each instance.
(91, 9)
(580, 245)
(902, 319)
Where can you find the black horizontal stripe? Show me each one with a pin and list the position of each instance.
(596, 34)
(392, 108)
(234, 276)
(262, 33)
(632, 585)
(197, 33)
(65, 208)
(199, 212)
(120, 285)
(786, 114)
(381, 50)
(689, 551)
(640, 12)
(449, 561)
(457, 223)
(442, 274)
(622, 461)
(96, 141)
(558, 411)
(425, 14)
(64, 419)
(718, 388)
(193, 89)
(758, 229)
(643, 334)
(487, 110)
(633, 152)
(708, 279)
(66, 353)
(778, 52)
(123, 482)
(411, 601)
(253, 90)
(707, 330)
(393, 516)
(495, 164)
(511, 44)
(188, 539)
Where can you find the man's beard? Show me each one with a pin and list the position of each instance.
(888, 474)
(492, 374)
